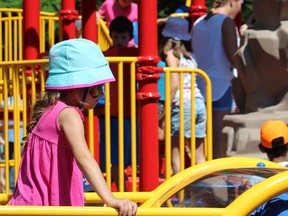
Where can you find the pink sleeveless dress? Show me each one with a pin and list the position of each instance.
(48, 173)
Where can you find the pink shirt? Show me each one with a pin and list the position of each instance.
(48, 173)
(109, 11)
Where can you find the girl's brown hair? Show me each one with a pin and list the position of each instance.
(42, 103)
(177, 46)
(48, 99)
(219, 3)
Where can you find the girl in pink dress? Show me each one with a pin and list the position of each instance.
(56, 154)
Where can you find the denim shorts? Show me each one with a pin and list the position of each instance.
(225, 103)
(200, 115)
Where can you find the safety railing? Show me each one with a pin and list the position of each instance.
(11, 27)
(85, 211)
(187, 146)
(149, 202)
(11, 34)
(192, 141)
(49, 24)
(120, 104)
(11, 31)
(104, 39)
(21, 81)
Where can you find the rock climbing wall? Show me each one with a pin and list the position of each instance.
(260, 90)
(262, 60)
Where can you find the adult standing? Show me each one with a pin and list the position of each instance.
(214, 42)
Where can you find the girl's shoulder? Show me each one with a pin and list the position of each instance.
(188, 61)
(60, 105)
(171, 53)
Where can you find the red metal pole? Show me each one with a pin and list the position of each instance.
(148, 95)
(89, 25)
(31, 29)
(89, 31)
(68, 15)
(197, 9)
(31, 36)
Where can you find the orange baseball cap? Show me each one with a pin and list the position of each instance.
(271, 130)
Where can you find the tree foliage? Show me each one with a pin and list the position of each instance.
(11, 4)
(165, 7)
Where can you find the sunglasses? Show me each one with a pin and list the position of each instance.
(96, 91)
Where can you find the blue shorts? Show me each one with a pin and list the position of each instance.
(225, 103)
(200, 115)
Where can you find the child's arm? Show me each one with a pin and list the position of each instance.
(173, 61)
(72, 126)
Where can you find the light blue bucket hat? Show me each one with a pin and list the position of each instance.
(77, 63)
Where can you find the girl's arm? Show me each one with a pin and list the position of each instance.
(172, 61)
(72, 126)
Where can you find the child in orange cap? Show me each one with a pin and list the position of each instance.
(274, 140)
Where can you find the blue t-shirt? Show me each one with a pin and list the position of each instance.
(277, 206)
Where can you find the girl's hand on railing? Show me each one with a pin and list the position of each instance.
(125, 207)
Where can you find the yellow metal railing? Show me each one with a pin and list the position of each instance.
(25, 79)
(104, 40)
(182, 179)
(48, 24)
(11, 27)
(19, 83)
(85, 211)
(151, 201)
(208, 99)
(11, 34)
(120, 91)
(11, 31)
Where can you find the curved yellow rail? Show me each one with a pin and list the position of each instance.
(182, 179)
(252, 199)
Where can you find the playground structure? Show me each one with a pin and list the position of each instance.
(262, 175)
(22, 70)
(23, 73)
(19, 80)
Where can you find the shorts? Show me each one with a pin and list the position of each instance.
(200, 115)
(225, 103)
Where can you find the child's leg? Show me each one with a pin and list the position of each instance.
(199, 153)
(175, 155)
(200, 129)
(2, 181)
(200, 156)
(2, 170)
